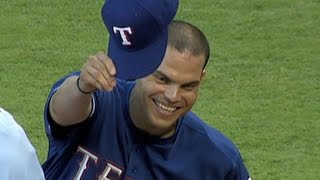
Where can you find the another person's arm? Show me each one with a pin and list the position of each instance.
(18, 158)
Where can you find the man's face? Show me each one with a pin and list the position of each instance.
(167, 94)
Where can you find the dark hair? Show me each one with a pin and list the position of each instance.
(186, 37)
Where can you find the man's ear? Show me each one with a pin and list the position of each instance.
(203, 74)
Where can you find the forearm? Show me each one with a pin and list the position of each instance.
(68, 105)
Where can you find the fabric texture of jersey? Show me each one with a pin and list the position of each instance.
(108, 145)
(18, 159)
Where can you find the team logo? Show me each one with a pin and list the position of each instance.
(124, 33)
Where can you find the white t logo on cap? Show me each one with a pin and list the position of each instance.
(123, 33)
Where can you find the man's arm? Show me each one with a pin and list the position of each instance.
(68, 105)
(72, 103)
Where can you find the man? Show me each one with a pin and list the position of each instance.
(18, 159)
(101, 127)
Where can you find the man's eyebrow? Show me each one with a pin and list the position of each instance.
(193, 83)
(159, 73)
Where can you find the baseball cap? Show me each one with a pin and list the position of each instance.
(138, 34)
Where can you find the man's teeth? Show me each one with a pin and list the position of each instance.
(166, 108)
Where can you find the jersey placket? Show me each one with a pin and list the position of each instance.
(136, 165)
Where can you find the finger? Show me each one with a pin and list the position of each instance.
(108, 63)
(88, 77)
(110, 68)
(99, 72)
(93, 79)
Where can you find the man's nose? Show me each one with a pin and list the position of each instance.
(172, 93)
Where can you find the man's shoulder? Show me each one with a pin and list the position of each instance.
(215, 140)
(120, 93)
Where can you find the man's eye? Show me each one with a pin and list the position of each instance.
(190, 87)
(161, 79)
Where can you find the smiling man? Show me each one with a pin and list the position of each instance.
(170, 92)
(101, 127)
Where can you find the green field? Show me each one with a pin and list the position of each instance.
(262, 87)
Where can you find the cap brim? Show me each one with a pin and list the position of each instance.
(138, 64)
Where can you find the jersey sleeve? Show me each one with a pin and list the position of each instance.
(240, 172)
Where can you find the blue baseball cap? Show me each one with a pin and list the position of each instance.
(138, 34)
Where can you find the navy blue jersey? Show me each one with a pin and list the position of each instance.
(108, 146)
